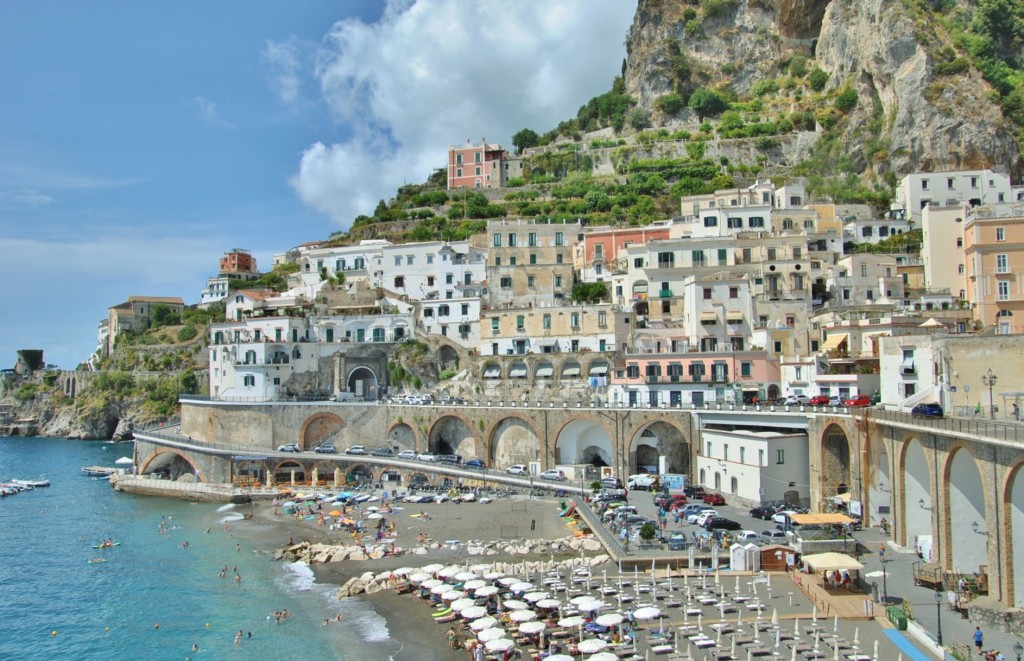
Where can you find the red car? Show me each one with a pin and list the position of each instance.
(859, 400)
(819, 400)
(714, 499)
(677, 503)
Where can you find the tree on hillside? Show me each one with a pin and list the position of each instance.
(162, 315)
(525, 139)
(707, 103)
(589, 292)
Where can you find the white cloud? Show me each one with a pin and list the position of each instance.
(432, 73)
(284, 62)
(26, 197)
(208, 113)
(35, 178)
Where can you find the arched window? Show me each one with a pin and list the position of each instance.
(701, 481)
(718, 481)
(733, 485)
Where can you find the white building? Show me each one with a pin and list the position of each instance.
(942, 249)
(754, 466)
(874, 230)
(947, 189)
(864, 279)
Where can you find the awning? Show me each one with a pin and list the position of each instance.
(820, 519)
(834, 341)
(598, 370)
(517, 372)
(545, 343)
(907, 365)
(843, 497)
(546, 371)
(733, 316)
(827, 561)
(708, 316)
(492, 372)
(571, 371)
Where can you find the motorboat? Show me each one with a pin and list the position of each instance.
(32, 484)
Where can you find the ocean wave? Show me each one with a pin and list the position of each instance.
(233, 516)
(372, 627)
(225, 508)
(358, 613)
(298, 576)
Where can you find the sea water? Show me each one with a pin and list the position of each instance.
(55, 605)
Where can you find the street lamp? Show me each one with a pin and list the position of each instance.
(989, 379)
(885, 587)
(1018, 649)
(938, 614)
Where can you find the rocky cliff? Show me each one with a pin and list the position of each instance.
(920, 103)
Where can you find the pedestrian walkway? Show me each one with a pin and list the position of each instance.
(906, 648)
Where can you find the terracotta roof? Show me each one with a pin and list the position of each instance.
(256, 294)
(176, 300)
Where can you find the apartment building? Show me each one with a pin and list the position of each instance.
(949, 189)
(942, 249)
(548, 330)
(602, 250)
(483, 165)
(529, 264)
(994, 252)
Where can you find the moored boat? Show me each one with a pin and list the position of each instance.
(32, 484)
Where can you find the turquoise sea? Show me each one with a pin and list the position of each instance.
(55, 605)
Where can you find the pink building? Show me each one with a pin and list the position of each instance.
(598, 253)
(475, 166)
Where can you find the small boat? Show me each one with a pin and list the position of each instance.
(98, 471)
(106, 546)
(32, 484)
(96, 561)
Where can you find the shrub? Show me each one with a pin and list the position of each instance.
(26, 392)
(671, 103)
(716, 8)
(515, 182)
(817, 79)
(445, 375)
(186, 333)
(765, 143)
(846, 100)
(766, 86)
(707, 103)
(638, 118)
(954, 67)
(798, 66)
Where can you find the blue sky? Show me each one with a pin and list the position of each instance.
(140, 141)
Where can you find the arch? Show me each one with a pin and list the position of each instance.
(287, 470)
(513, 440)
(718, 481)
(358, 474)
(917, 493)
(250, 470)
(584, 441)
(965, 503)
(877, 475)
(660, 439)
(324, 471)
(835, 460)
(544, 370)
(1013, 505)
(172, 464)
(390, 477)
(772, 392)
(452, 434)
(703, 475)
(401, 436)
(363, 382)
(418, 480)
(447, 357)
(571, 369)
(518, 370)
(317, 427)
(733, 484)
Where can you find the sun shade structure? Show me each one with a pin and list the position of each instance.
(830, 561)
(820, 519)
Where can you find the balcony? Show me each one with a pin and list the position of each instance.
(665, 293)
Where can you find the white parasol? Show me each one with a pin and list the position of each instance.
(419, 577)
(452, 595)
(646, 613)
(532, 627)
(522, 615)
(492, 633)
(591, 645)
(375, 515)
(494, 575)
(521, 587)
(472, 612)
(486, 591)
(124, 461)
(499, 645)
(431, 583)
(569, 622)
(515, 605)
(431, 569)
(609, 619)
(465, 576)
(603, 656)
(473, 584)
(482, 623)
(535, 596)
(548, 603)
(403, 571)
(509, 580)
(462, 604)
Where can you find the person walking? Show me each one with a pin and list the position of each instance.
(978, 639)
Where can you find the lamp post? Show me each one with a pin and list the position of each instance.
(989, 379)
(1018, 649)
(885, 587)
(938, 615)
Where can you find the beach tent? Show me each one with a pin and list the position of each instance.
(820, 562)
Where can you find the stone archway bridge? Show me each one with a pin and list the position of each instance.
(927, 477)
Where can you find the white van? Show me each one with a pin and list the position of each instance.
(346, 396)
(641, 481)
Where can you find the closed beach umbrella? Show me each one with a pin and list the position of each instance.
(486, 591)
(482, 623)
(646, 613)
(522, 616)
(499, 645)
(472, 612)
(492, 633)
(531, 627)
(515, 605)
(569, 622)
(609, 619)
(462, 604)
(591, 645)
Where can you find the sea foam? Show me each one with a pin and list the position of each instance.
(225, 508)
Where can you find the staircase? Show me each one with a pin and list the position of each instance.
(917, 398)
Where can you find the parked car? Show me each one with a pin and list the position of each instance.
(452, 401)
(764, 513)
(927, 411)
(796, 400)
(289, 447)
(835, 400)
(746, 536)
(450, 459)
(326, 448)
(385, 452)
(356, 449)
(819, 400)
(553, 474)
(518, 469)
(611, 483)
(665, 500)
(859, 400)
(774, 536)
(721, 523)
(475, 463)
(407, 454)
(677, 541)
(783, 517)
(693, 491)
(702, 518)
(677, 504)
(714, 499)
(426, 456)
(692, 508)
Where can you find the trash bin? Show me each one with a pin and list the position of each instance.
(897, 617)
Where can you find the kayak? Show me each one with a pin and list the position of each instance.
(100, 546)
(96, 561)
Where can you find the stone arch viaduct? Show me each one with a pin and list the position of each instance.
(953, 483)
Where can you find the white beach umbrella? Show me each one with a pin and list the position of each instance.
(569, 622)
(403, 571)
(465, 576)
(591, 645)
(372, 508)
(646, 613)
(560, 657)
(419, 577)
(521, 587)
(535, 596)
(431, 583)
(374, 516)
(591, 605)
(482, 623)
(491, 633)
(603, 656)
(449, 571)
(462, 604)
(474, 584)
(515, 605)
(494, 575)
(486, 591)
(499, 645)
(124, 461)
(509, 580)
(548, 603)
(481, 568)
(440, 588)
(452, 595)
(522, 616)
(532, 627)
(471, 612)
(434, 568)
(580, 599)
(609, 619)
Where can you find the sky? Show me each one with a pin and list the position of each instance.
(141, 141)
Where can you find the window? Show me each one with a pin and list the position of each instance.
(249, 380)
(449, 279)
(746, 368)
(924, 184)
(780, 456)
(1000, 234)
(974, 182)
(399, 281)
(495, 321)
(863, 270)
(746, 255)
(558, 258)
(1002, 264)
(558, 281)
(478, 172)
(533, 258)
(666, 260)
(666, 307)
(599, 250)
(410, 259)
(531, 281)
(959, 242)
(725, 451)
(734, 292)
(757, 221)
(430, 281)
(378, 334)
(531, 239)
(547, 322)
(602, 319)
(430, 259)
(734, 223)
(559, 239)
(723, 256)
(866, 231)
(708, 452)
(443, 310)
(771, 253)
(760, 457)
(496, 240)
(458, 159)
(574, 320)
(512, 260)
(797, 252)
(1004, 291)
(520, 322)
(697, 256)
(428, 312)
(513, 240)
(653, 369)
(743, 457)
(497, 261)
(506, 282)
(710, 221)
(707, 293)
(638, 262)
(632, 371)
(949, 183)
(787, 224)
(465, 309)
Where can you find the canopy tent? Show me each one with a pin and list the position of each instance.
(820, 562)
(820, 519)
